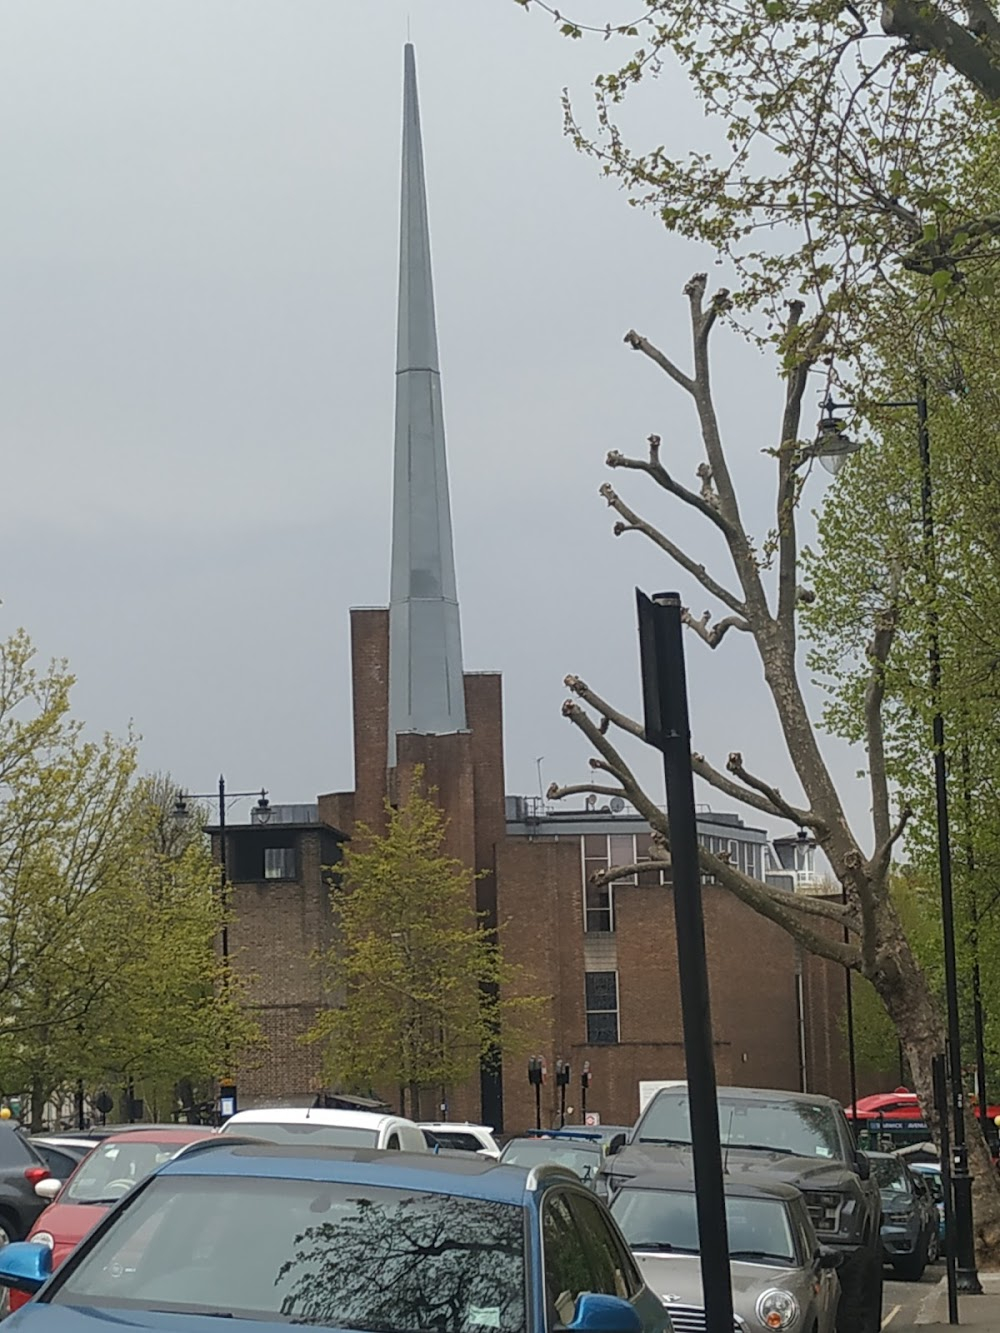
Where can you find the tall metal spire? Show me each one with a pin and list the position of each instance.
(426, 689)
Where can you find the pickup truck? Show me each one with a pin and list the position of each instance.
(801, 1139)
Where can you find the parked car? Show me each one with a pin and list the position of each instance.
(909, 1217)
(305, 1125)
(61, 1156)
(800, 1138)
(612, 1137)
(584, 1156)
(21, 1168)
(458, 1136)
(930, 1172)
(782, 1277)
(359, 1239)
(110, 1170)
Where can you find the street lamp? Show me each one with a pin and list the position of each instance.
(227, 1100)
(833, 447)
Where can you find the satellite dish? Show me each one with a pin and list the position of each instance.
(617, 804)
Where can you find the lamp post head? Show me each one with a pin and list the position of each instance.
(832, 446)
(263, 815)
(181, 811)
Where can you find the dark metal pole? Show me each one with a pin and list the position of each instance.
(538, 1107)
(667, 726)
(941, 1102)
(223, 881)
(852, 1066)
(965, 1253)
(978, 1023)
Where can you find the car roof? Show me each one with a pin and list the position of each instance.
(568, 1140)
(679, 1180)
(469, 1176)
(300, 1115)
(760, 1094)
(454, 1124)
(164, 1134)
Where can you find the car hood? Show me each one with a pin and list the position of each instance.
(677, 1278)
(805, 1172)
(896, 1203)
(68, 1223)
(38, 1317)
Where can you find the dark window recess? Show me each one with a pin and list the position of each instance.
(599, 908)
(279, 862)
(260, 854)
(602, 1008)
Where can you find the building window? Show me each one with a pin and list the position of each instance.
(601, 990)
(279, 862)
(597, 898)
(601, 851)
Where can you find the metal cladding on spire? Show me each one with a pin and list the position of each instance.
(426, 689)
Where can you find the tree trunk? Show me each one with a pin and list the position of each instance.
(903, 989)
(415, 1101)
(37, 1124)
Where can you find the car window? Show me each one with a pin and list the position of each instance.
(13, 1149)
(566, 1261)
(114, 1168)
(304, 1133)
(392, 1141)
(890, 1174)
(451, 1138)
(61, 1164)
(614, 1271)
(329, 1253)
(806, 1129)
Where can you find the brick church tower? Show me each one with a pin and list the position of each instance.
(605, 959)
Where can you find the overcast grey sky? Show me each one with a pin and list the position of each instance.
(198, 252)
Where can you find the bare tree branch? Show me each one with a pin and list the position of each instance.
(804, 818)
(655, 469)
(714, 636)
(633, 523)
(556, 793)
(620, 720)
(640, 344)
(883, 851)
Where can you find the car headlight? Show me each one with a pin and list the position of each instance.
(777, 1309)
(44, 1238)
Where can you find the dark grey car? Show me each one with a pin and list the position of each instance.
(909, 1216)
(584, 1157)
(802, 1139)
(21, 1168)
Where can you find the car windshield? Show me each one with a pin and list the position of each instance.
(306, 1133)
(890, 1174)
(805, 1129)
(113, 1168)
(584, 1159)
(338, 1255)
(666, 1220)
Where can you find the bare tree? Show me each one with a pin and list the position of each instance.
(876, 944)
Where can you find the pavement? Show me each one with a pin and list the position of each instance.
(979, 1312)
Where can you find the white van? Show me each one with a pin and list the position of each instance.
(306, 1125)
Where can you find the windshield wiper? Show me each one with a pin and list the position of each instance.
(763, 1147)
(674, 1143)
(760, 1254)
(655, 1246)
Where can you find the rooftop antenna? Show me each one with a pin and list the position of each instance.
(538, 765)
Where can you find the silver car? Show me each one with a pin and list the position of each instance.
(783, 1278)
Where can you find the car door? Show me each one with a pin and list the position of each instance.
(824, 1281)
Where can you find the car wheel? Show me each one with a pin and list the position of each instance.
(911, 1268)
(933, 1247)
(860, 1307)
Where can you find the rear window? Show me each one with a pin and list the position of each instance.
(325, 1136)
(13, 1149)
(450, 1138)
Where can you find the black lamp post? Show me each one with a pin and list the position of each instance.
(832, 447)
(227, 1096)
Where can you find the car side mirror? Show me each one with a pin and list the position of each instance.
(828, 1256)
(604, 1314)
(25, 1266)
(48, 1188)
(862, 1165)
(616, 1144)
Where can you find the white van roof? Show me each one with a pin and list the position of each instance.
(300, 1115)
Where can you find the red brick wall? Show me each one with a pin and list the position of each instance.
(370, 676)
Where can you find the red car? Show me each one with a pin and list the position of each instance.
(105, 1174)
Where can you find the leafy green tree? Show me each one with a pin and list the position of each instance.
(419, 986)
(828, 166)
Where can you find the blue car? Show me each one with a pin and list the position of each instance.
(342, 1239)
